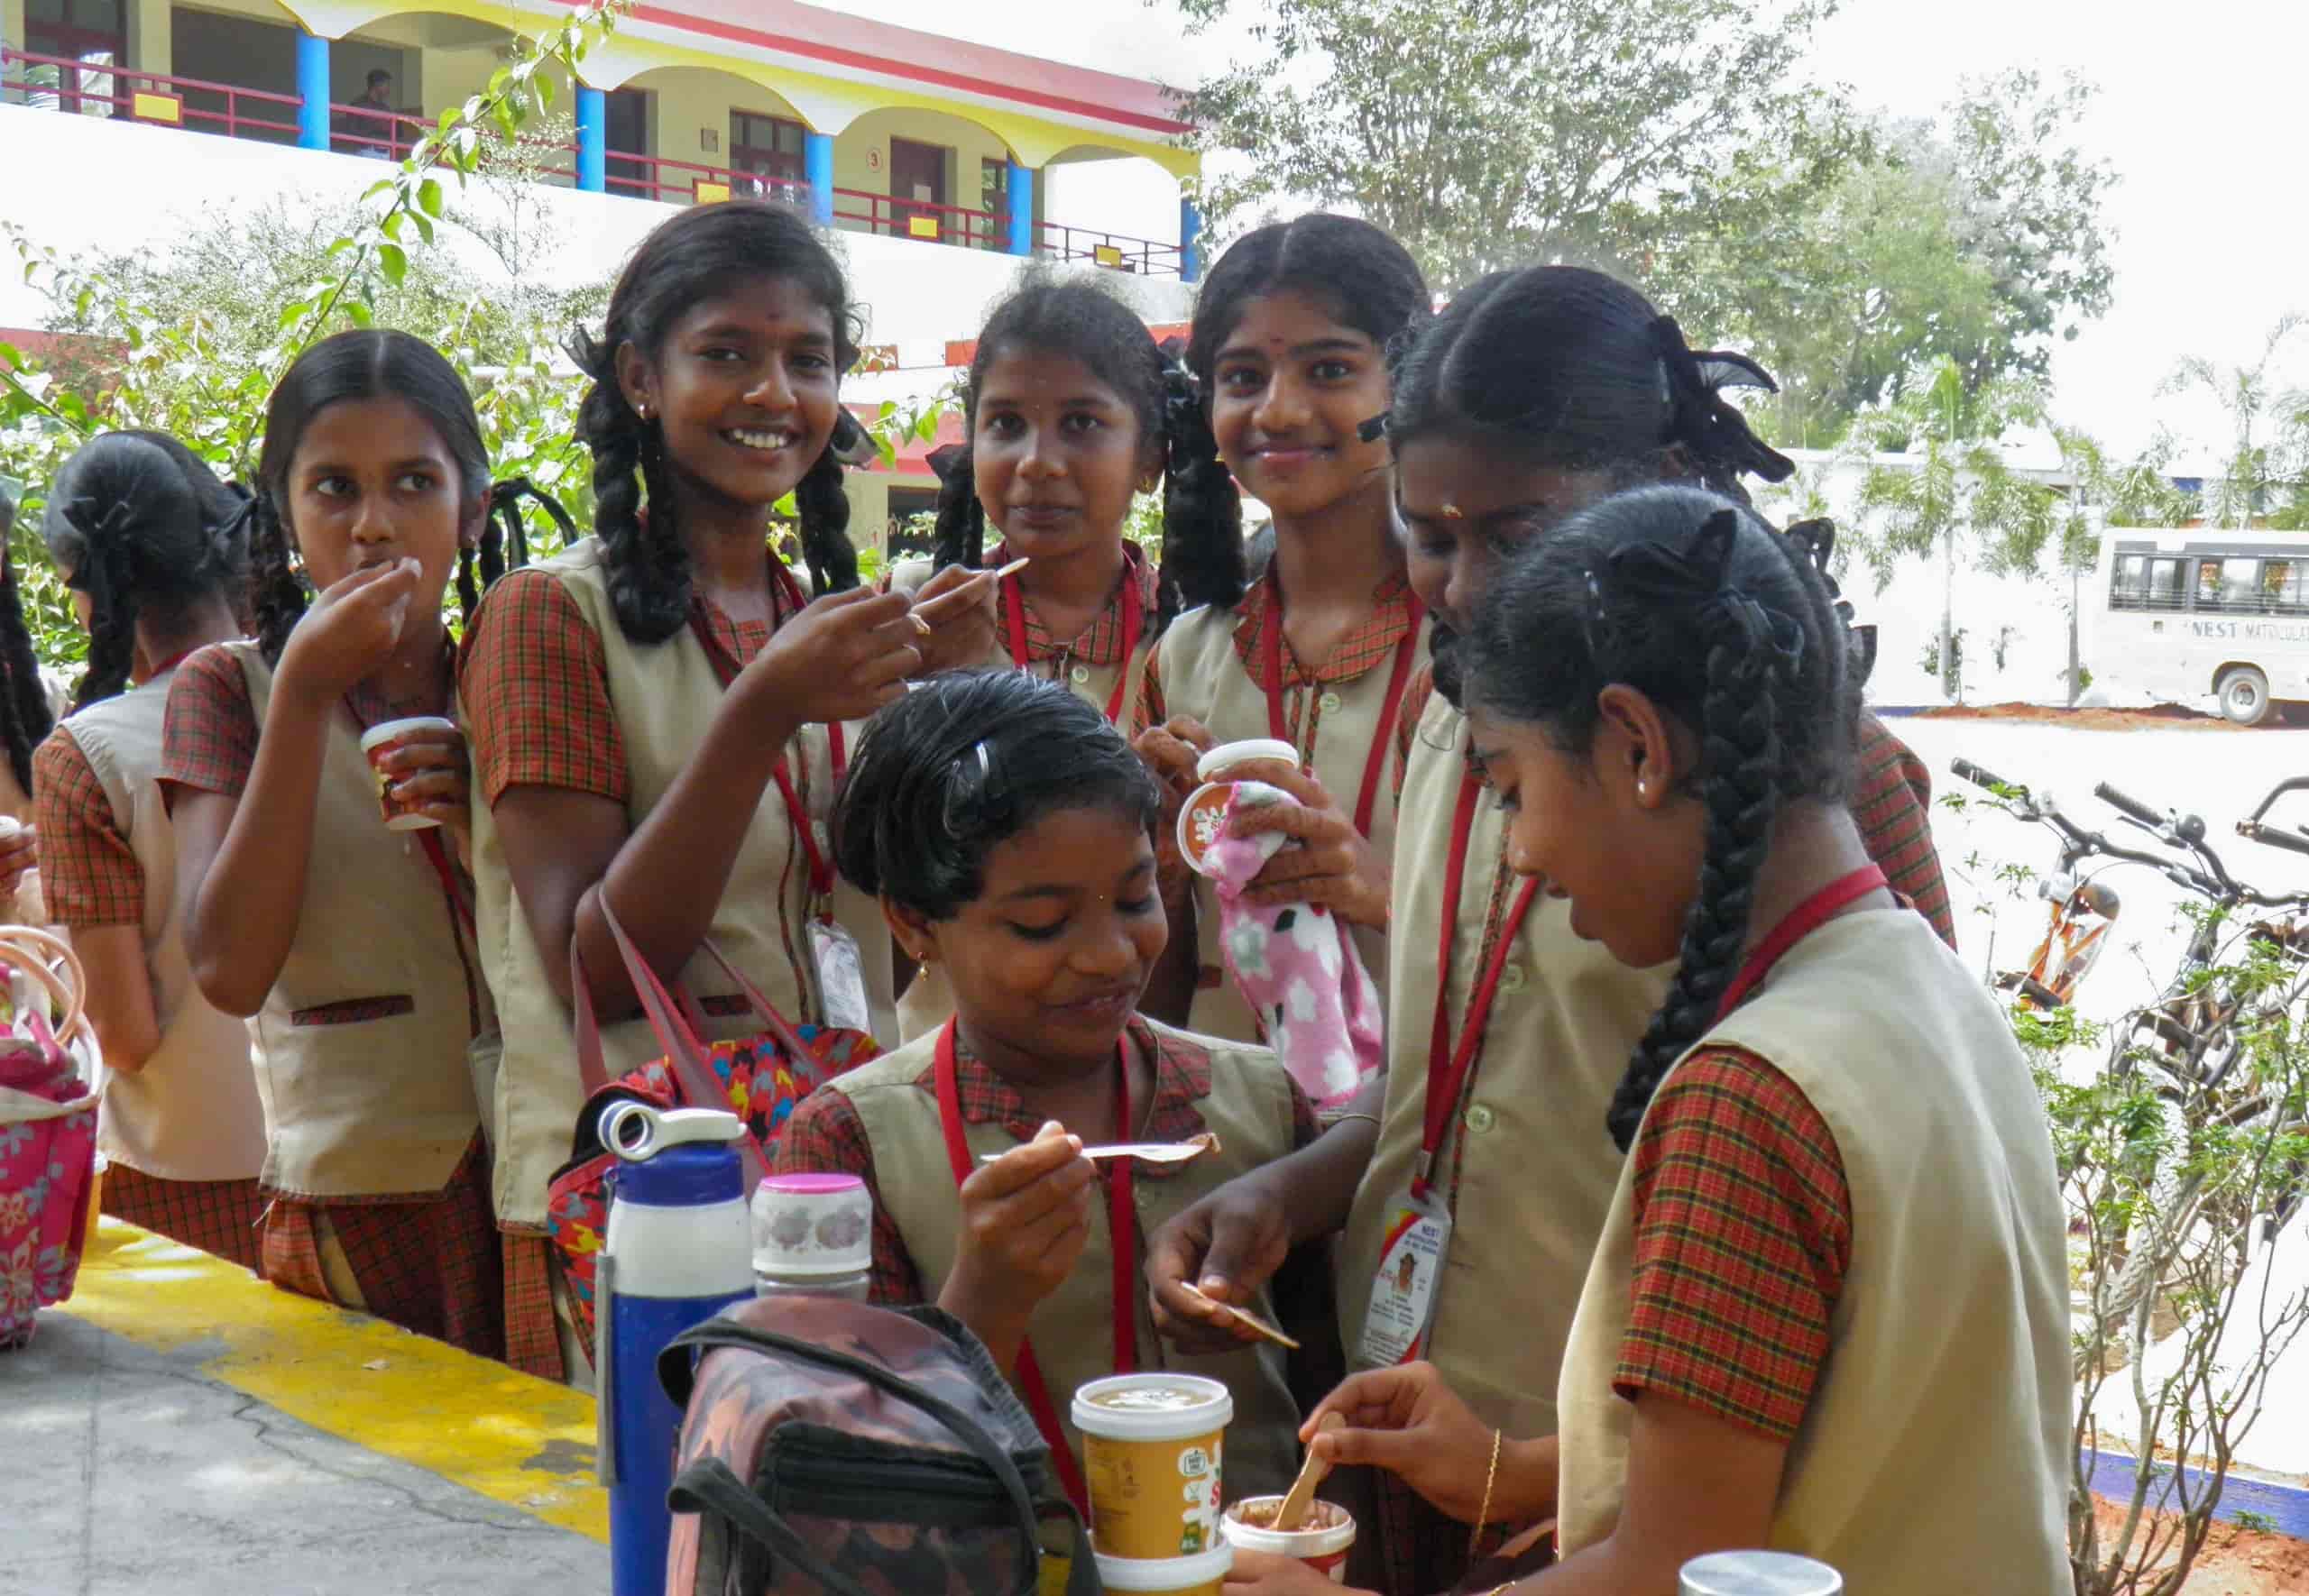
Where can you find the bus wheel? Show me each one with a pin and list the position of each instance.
(2244, 695)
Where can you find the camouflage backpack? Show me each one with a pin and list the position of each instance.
(834, 1449)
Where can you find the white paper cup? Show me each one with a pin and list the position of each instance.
(1322, 1542)
(1200, 1575)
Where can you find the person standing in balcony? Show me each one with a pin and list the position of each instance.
(154, 550)
(366, 126)
(657, 712)
(1071, 413)
(1289, 355)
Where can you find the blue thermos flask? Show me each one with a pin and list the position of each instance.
(676, 1251)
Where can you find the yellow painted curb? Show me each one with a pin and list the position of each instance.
(514, 1439)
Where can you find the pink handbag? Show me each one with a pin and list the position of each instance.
(48, 1089)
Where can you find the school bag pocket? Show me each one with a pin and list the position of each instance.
(834, 1449)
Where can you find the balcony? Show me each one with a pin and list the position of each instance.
(669, 127)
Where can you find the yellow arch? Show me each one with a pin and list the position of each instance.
(826, 104)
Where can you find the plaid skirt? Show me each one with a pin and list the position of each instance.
(431, 1266)
(218, 1216)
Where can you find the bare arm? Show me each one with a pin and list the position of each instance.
(120, 995)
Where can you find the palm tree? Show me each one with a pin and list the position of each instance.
(2256, 463)
(1960, 484)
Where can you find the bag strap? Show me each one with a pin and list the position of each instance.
(694, 1078)
(675, 1369)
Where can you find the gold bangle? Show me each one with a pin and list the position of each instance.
(1483, 1514)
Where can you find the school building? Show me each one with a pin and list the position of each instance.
(935, 158)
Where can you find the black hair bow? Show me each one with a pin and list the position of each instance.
(852, 444)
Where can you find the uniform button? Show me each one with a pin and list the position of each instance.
(1480, 1118)
(1511, 979)
(1329, 701)
(1082, 674)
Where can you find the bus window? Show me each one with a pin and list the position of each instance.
(2281, 585)
(2130, 590)
(2164, 588)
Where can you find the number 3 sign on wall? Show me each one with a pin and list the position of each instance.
(873, 161)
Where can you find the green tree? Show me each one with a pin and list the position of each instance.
(2269, 429)
(2104, 493)
(1957, 487)
(1485, 134)
(1975, 237)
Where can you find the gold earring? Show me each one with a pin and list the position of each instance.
(1452, 512)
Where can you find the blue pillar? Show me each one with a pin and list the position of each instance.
(592, 138)
(312, 82)
(817, 165)
(1021, 195)
(1190, 240)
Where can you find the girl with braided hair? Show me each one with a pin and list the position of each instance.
(1839, 1204)
(350, 945)
(1535, 395)
(154, 550)
(1289, 356)
(658, 710)
(1070, 411)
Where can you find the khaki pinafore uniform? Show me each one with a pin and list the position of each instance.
(1938, 1434)
(192, 1112)
(1072, 1331)
(665, 695)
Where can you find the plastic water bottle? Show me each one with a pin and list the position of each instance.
(1758, 1573)
(674, 1252)
(813, 1236)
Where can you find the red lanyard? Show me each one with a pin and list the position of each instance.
(1447, 1067)
(1122, 1235)
(1013, 614)
(1810, 916)
(726, 668)
(1271, 649)
(174, 660)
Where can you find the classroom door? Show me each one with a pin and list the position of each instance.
(917, 186)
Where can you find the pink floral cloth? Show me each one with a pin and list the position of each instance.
(1297, 967)
(48, 1151)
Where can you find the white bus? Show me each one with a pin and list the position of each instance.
(2206, 611)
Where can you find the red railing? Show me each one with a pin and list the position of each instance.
(244, 113)
(1116, 251)
(917, 218)
(658, 177)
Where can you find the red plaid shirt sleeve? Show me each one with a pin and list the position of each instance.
(90, 874)
(536, 691)
(1743, 1239)
(1893, 808)
(824, 1136)
(208, 733)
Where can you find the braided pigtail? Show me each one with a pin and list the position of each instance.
(1741, 754)
(504, 538)
(1202, 509)
(648, 563)
(960, 538)
(276, 589)
(108, 575)
(826, 547)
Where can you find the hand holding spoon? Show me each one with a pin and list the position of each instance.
(1295, 1507)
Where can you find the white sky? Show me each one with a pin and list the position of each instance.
(2198, 113)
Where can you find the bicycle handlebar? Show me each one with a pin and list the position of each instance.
(2132, 808)
(2291, 841)
(1984, 778)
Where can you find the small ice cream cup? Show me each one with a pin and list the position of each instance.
(381, 740)
(1204, 812)
(1151, 1454)
(1321, 1543)
(1201, 1575)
